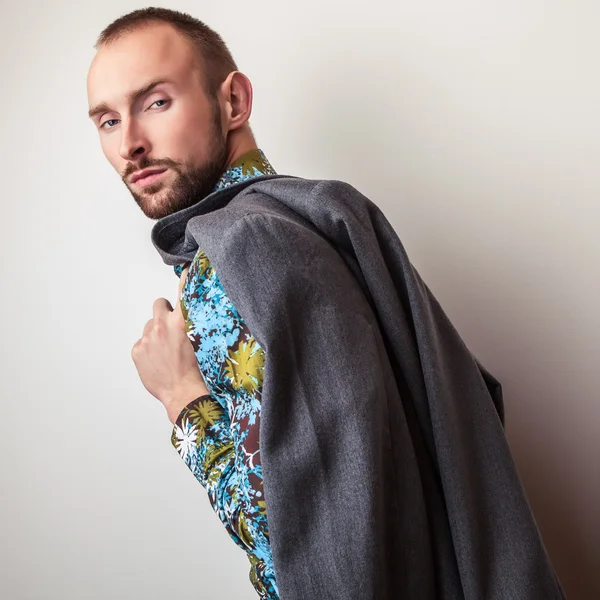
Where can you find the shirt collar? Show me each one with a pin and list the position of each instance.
(251, 164)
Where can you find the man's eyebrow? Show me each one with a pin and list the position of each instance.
(131, 97)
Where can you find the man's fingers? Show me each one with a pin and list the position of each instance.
(160, 307)
(147, 327)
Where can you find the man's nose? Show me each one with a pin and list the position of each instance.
(133, 142)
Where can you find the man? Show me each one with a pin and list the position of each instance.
(318, 357)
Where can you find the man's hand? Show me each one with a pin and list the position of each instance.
(165, 359)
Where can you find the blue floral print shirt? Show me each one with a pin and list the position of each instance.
(217, 435)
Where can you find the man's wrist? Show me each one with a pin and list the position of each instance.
(181, 400)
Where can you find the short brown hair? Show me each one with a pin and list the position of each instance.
(215, 60)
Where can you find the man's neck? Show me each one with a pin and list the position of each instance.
(240, 142)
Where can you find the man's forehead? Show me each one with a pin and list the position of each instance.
(141, 48)
(135, 59)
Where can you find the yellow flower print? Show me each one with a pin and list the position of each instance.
(245, 366)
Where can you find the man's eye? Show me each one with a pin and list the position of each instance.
(159, 101)
(107, 121)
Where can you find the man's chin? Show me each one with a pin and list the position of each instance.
(157, 206)
(167, 197)
(153, 204)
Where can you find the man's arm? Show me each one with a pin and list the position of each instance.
(202, 437)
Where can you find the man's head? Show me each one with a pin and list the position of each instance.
(192, 126)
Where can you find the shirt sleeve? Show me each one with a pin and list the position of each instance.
(202, 437)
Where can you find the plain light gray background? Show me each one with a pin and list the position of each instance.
(473, 125)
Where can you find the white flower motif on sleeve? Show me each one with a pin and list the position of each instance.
(185, 438)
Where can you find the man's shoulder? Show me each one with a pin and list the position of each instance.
(285, 187)
(286, 200)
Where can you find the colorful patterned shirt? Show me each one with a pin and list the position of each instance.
(217, 435)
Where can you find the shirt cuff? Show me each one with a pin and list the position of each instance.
(188, 407)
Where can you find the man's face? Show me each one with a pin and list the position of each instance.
(174, 126)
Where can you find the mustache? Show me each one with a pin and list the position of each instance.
(147, 164)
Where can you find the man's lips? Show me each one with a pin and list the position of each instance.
(151, 177)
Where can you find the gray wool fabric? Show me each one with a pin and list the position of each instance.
(387, 473)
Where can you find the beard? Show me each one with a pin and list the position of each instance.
(191, 184)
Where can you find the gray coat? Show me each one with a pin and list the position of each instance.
(387, 473)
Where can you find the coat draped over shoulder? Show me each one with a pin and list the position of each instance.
(387, 472)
